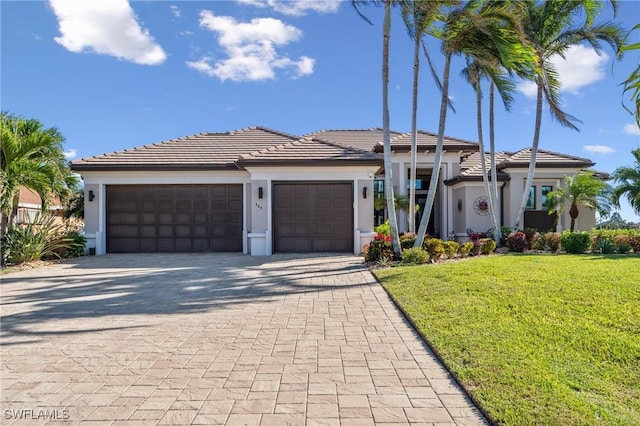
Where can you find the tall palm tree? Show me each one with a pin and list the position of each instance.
(628, 180)
(582, 190)
(386, 131)
(466, 31)
(502, 50)
(632, 83)
(33, 158)
(548, 28)
(419, 16)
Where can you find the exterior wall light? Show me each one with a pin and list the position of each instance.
(364, 192)
(260, 192)
(91, 195)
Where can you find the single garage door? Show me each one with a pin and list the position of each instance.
(174, 218)
(313, 217)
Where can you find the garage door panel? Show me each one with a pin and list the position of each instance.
(313, 217)
(174, 218)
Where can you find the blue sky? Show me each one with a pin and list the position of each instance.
(117, 74)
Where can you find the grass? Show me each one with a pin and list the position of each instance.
(535, 339)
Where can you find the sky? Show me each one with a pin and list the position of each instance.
(114, 74)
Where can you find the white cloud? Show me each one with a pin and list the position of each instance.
(580, 67)
(251, 47)
(105, 27)
(599, 149)
(296, 7)
(70, 154)
(175, 10)
(632, 129)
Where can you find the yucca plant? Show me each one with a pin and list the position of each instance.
(44, 238)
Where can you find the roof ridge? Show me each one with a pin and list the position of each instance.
(276, 132)
(345, 147)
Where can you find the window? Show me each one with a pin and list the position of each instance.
(378, 202)
(531, 202)
(545, 190)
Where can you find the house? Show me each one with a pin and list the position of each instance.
(30, 206)
(260, 191)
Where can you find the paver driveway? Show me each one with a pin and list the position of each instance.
(215, 339)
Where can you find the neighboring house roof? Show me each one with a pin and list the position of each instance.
(30, 199)
(309, 151)
(200, 151)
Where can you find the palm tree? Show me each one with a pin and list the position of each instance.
(467, 30)
(628, 180)
(582, 190)
(548, 28)
(386, 131)
(33, 158)
(418, 16)
(632, 83)
(504, 54)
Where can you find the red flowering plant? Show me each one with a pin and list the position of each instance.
(379, 248)
(477, 236)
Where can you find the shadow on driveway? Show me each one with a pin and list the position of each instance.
(157, 284)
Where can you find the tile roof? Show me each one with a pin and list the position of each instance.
(544, 159)
(309, 150)
(364, 139)
(471, 165)
(427, 141)
(199, 151)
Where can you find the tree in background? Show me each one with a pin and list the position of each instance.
(628, 183)
(33, 158)
(584, 189)
(632, 83)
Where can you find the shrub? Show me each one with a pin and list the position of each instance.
(537, 241)
(603, 245)
(505, 231)
(517, 242)
(415, 256)
(33, 241)
(450, 248)
(465, 248)
(378, 248)
(576, 242)
(434, 247)
(384, 229)
(530, 233)
(488, 246)
(634, 240)
(407, 240)
(553, 240)
(477, 236)
(76, 244)
(622, 243)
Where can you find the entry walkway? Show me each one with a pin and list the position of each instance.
(215, 339)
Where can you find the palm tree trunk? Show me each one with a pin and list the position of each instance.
(435, 175)
(388, 177)
(485, 177)
(494, 173)
(414, 135)
(534, 153)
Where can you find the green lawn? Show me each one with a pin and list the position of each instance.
(535, 339)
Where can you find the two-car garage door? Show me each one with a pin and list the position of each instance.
(174, 218)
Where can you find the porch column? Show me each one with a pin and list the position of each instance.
(403, 221)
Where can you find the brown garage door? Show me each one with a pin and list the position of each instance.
(174, 218)
(313, 217)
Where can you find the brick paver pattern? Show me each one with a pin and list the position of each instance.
(211, 339)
